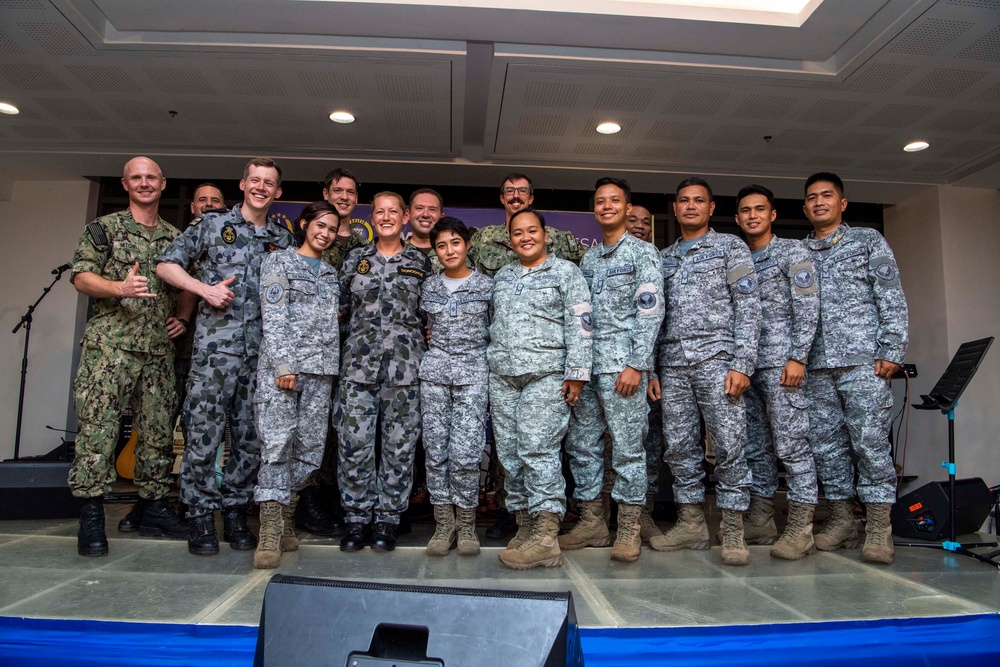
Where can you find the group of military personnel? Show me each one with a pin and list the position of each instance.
(783, 350)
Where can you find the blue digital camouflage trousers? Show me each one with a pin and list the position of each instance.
(530, 417)
(219, 383)
(625, 417)
(292, 425)
(778, 428)
(369, 486)
(850, 412)
(107, 381)
(454, 436)
(698, 390)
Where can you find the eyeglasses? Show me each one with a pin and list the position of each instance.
(509, 190)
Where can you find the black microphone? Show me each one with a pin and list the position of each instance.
(62, 267)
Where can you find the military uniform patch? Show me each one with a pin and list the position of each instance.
(229, 234)
(587, 321)
(647, 300)
(803, 278)
(885, 272)
(273, 293)
(364, 266)
(746, 285)
(407, 271)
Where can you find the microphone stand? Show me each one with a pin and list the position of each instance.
(26, 323)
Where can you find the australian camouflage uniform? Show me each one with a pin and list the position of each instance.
(379, 381)
(490, 249)
(127, 360)
(224, 359)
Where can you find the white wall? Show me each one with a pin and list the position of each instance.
(41, 222)
(947, 244)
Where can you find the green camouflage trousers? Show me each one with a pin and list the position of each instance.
(109, 379)
(217, 383)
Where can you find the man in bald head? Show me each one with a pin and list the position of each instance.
(127, 358)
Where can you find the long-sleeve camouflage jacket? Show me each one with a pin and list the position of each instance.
(789, 299)
(626, 292)
(713, 304)
(459, 322)
(299, 313)
(380, 300)
(490, 249)
(542, 321)
(110, 247)
(863, 313)
(225, 245)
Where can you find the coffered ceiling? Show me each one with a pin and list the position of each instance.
(448, 92)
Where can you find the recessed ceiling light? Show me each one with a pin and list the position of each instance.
(916, 146)
(342, 117)
(609, 128)
(9, 109)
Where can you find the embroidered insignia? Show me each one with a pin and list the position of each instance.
(746, 285)
(621, 270)
(410, 271)
(587, 321)
(647, 300)
(885, 272)
(803, 278)
(228, 234)
(364, 266)
(273, 293)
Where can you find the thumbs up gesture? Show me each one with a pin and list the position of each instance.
(135, 285)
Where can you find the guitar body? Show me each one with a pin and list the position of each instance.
(125, 459)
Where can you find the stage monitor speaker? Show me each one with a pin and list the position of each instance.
(923, 514)
(307, 621)
(36, 491)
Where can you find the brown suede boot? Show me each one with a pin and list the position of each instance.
(590, 531)
(541, 549)
(268, 551)
(524, 524)
(878, 535)
(690, 531)
(468, 541)
(628, 541)
(797, 540)
(648, 527)
(289, 542)
(444, 532)
(840, 529)
(734, 547)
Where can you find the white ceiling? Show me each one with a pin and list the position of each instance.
(464, 94)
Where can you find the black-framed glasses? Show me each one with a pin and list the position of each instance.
(509, 190)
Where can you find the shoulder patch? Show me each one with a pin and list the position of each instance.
(274, 289)
(803, 278)
(746, 285)
(97, 234)
(885, 270)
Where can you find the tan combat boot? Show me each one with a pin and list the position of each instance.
(444, 532)
(758, 523)
(628, 541)
(289, 542)
(878, 535)
(541, 549)
(840, 529)
(734, 547)
(690, 531)
(524, 524)
(648, 527)
(468, 541)
(590, 531)
(797, 540)
(268, 551)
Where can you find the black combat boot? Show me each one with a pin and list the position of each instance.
(357, 537)
(130, 522)
(160, 520)
(90, 539)
(384, 538)
(311, 516)
(202, 540)
(235, 529)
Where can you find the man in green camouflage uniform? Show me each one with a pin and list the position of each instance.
(127, 358)
(489, 251)
(228, 249)
(340, 188)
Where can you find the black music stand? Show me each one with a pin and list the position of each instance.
(944, 397)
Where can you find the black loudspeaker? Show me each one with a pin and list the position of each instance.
(36, 491)
(334, 623)
(923, 514)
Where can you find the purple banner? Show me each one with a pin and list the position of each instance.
(584, 226)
